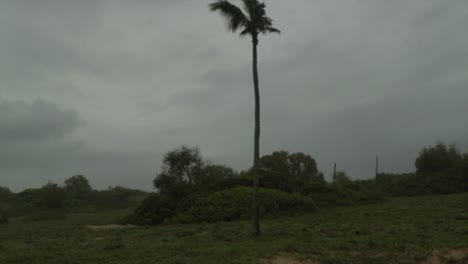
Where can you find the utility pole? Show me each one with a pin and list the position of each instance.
(334, 173)
(376, 170)
(376, 167)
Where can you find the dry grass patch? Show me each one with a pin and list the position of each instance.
(440, 256)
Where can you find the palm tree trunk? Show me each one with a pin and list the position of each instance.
(256, 203)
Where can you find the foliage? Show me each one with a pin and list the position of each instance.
(253, 22)
(236, 203)
(75, 196)
(215, 177)
(5, 193)
(438, 159)
(78, 186)
(154, 209)
(288, 172)
(401, 230)
(350, 193)
(441, 169)
(52, 196)
(184, 174)
(341, 178)
(183, 165)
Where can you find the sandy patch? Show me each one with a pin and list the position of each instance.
(440, 256)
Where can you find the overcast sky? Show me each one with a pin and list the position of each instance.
(104, 88)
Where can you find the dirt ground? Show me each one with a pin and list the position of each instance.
(439, 256)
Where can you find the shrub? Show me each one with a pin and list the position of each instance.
(52, 196)
(153, 210)
(352, 193)
(236, 203)
(5, 193)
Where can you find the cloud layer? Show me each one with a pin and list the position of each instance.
(104, 88)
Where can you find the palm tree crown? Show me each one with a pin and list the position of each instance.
(252, 21)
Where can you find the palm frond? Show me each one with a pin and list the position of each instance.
(252, 20)
(273, 30)
(249, 8)
(233, 14)
(248, 31)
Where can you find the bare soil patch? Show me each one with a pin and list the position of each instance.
(440, 256)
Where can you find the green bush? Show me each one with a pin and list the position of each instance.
(236, 203)
(153, 210)
(352, 193)
(5, 193)
(52, 196)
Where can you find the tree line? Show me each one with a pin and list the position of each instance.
(187, 184)
(75, 194)
(189, 188)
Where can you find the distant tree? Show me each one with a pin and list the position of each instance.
(184, 171)
(465, 164)
(181, 167)
(441, 169)
(173, 187)
(52, 196)
(289, 172)
(78, 185)
(5, 193)
(252, 22)
(438, 159)
(213, 176)
(183, 164)
(341, 178)
(304, 168)
(465, 172)
(275, 171)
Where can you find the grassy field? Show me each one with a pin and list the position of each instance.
(402, 230)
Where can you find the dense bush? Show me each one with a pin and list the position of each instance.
(236, 203)
(52, 196)
(155, 209)
(351, 193)
(412, 184)
(5, 193)
(286, 171)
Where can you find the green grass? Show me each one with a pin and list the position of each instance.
(403, 230)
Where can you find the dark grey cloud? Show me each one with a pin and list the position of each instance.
(39, 120)
(105, 88)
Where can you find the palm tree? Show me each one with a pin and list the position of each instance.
(252, 20)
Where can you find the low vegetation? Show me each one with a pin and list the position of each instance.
(401, 230)
(199, 213)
